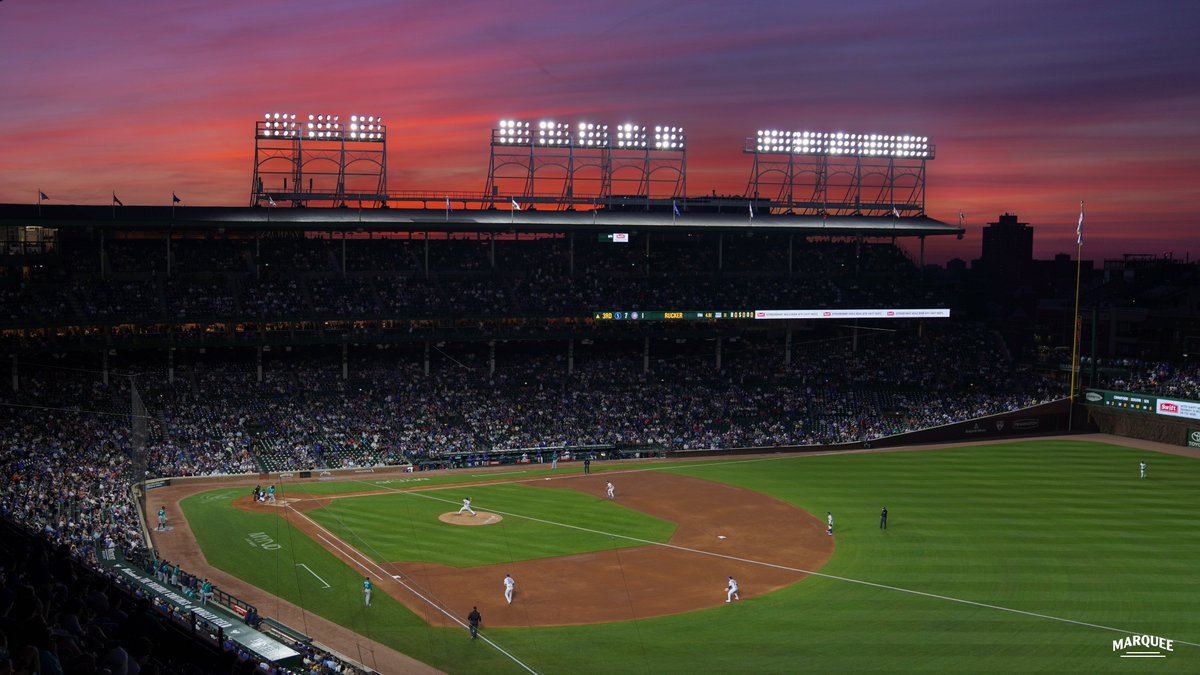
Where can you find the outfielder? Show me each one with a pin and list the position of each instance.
(731, 590)
(829, 519)
(465, 507)
(367, 591)
(1143, 468)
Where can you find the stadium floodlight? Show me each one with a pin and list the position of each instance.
(631, 136)
(668, 138)
(591, 135)
(551, 133)
(774, 141)
(513, 132)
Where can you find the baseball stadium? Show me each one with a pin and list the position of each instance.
(720, 434)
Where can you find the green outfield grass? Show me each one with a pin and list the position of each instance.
(1060, 528)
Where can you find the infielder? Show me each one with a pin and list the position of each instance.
(610, 490)
(367, 591)
(829, 519)
(465, 507)
(509, 584)
(731, 590)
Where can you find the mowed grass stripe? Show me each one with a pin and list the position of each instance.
(270, 563)
(1062, 528)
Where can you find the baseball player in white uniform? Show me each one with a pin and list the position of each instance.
(466, 507)
(509, 584)
(1143, 468)
(611, 489)
(731, 590)
(829, 519)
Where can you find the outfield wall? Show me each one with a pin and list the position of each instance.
(1145, 416)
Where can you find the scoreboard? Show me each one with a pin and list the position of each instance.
(770, 314)
(678, 315)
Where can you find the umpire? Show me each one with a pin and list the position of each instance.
(473, 620)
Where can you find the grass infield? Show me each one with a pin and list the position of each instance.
(1063, 528)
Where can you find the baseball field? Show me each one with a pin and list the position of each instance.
(1020, 557)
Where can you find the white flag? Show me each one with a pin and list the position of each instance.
(515, 205)
(895, 212)
(1079, 227)
(751, 210)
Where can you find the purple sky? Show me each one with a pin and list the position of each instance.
(1033, 105)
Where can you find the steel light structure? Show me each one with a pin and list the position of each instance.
(838, 172)
(319, 157)
(581, 162)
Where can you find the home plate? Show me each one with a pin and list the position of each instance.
(720, 536)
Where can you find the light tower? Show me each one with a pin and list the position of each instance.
(319, 158)
(839, 173)
(562, 164)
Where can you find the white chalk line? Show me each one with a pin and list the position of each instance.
(804, 571)
(353, 554)
(314, 574)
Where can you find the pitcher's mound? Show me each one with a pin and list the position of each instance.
(480, 518)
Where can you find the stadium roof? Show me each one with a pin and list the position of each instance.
(392, 219)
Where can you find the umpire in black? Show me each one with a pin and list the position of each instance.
(473, 620)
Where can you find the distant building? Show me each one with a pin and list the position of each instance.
(1007, 251)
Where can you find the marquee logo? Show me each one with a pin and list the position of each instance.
(1168, 407)
(1094, 397)
(1143, 644)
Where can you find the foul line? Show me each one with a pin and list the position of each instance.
(804, 571)
(353, 554)
(314, 574)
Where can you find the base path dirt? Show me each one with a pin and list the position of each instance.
(722, 531)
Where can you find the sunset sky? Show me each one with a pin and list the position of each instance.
(1033, 105)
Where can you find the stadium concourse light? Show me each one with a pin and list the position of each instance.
(668, 138)
(631, 136)
(513, 132)
(841, 144)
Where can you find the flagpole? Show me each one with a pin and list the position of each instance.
(39, 202)
(1075, 325)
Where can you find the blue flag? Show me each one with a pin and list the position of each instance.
(116, 201)
(42, 195)
(175, 198)
(675, 208)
